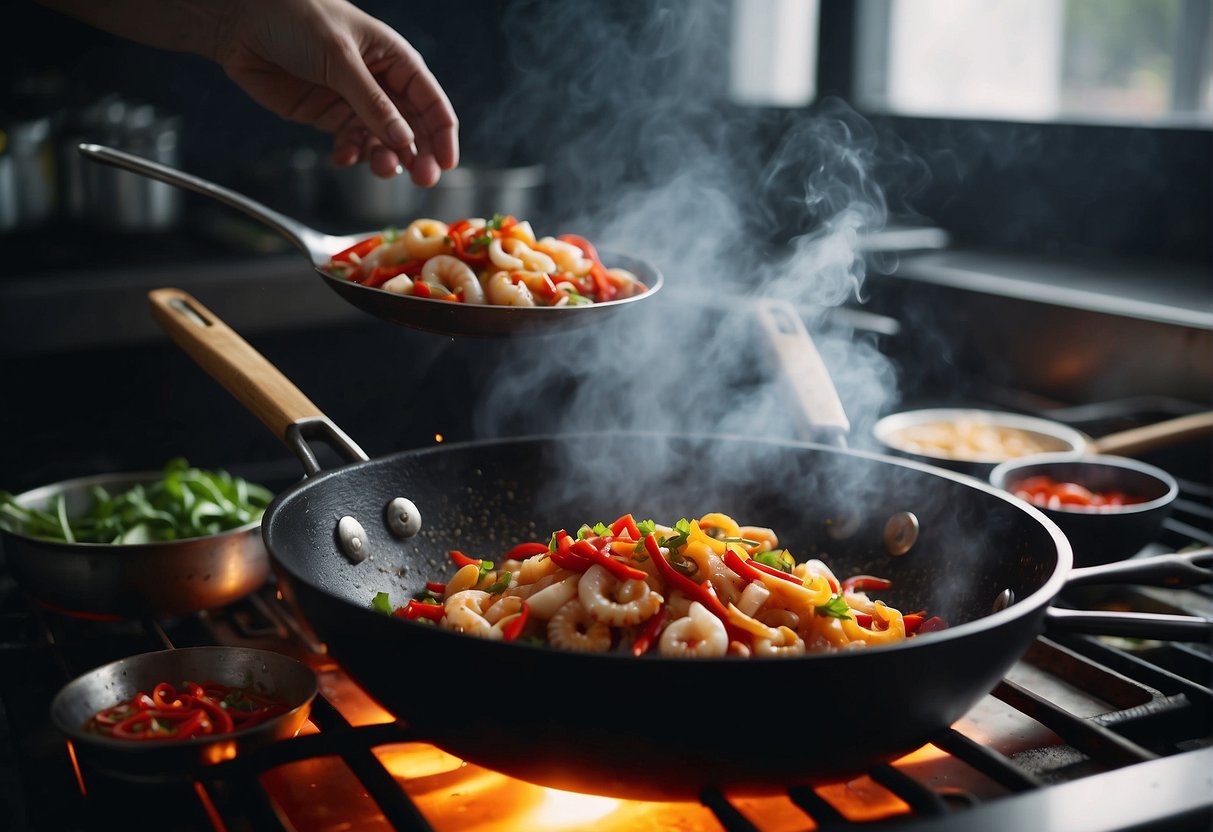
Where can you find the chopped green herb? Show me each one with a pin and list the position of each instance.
(781, 560)
(500, 585)
(836, 607)
(646, 527)
(496, 222)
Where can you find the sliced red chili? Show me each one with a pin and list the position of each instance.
(864, 583)
(514, 628)
(565, 557)
(525, 550)
(461, 560)
(626, 523)
(419, 609)
(359, 250)
(652, 629)
(436, 587)
(617, 568)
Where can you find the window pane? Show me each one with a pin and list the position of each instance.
(1130, 61)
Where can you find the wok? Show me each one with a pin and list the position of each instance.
(427, 314)
(653, 727)
(163, 578)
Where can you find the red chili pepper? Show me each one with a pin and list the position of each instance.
(435, 587)
(617, 568)
(626, 523)
(773, 572)
(360, 249)
(704, 593)
(752, 570)
(863, 583)
(648, 635)
(582, 243)
(461, 560)
(565, 557)
(421, 289)
(419, 609)
(525, 550)
(512, 630)
(382, 274)
(931, 625)
(219, 716)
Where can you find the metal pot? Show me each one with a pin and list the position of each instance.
(132, 580)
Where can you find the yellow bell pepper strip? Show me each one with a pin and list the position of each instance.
(751, 625)
(894, 631)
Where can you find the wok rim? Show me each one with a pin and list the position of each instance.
(78, 734)
(1034, 603)
(133, 477)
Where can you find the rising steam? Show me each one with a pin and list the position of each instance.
(625, 105)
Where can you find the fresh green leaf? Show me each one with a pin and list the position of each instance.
(781, 560)
(500, 585)
(646, 527)
(836, 607)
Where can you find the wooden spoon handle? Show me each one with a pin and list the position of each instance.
(229, 359)
(1172, 431)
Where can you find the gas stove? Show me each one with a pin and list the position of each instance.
(1084, 733)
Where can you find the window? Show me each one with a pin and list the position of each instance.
(1112, 61)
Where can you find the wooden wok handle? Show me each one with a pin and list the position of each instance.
(232, 361)
(1136, 440)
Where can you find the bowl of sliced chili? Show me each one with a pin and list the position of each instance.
(1109, 507)
(166, 714)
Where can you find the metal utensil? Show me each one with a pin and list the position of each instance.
(405, 310)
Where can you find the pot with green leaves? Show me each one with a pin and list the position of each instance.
(133, 544)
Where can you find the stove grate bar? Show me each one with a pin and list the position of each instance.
(817, 807)
(1097, 742)
(243, 805)
(920, 798)
(1146, 672)
(987, 761)
(730, 816)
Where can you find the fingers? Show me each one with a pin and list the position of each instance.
(354, 144)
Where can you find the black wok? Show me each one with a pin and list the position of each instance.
(652, 728)
(404, 310)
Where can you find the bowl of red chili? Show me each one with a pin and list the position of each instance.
(166, 714)
(1109, 507)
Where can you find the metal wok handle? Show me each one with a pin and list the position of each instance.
(1130, 624)
(246, 374)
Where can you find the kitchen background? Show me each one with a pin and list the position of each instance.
(1039, 247)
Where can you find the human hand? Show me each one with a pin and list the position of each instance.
(328, 64)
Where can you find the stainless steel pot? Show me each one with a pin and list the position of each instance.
(132, 580)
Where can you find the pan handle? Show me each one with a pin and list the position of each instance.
(1159, 435)
(1185, 569)
(821, 412)
(246, 374)
(1130, 624)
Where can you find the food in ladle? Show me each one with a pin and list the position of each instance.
(194, 710)
(700, 588)
(498, 261)
(1047, 492)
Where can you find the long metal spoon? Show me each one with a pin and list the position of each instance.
(426, 314)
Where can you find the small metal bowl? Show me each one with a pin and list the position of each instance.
(1111, 533)
(895, 431)
(274, 674)
(163, 578)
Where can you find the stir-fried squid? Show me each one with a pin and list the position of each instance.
(498, 261)
(700, 588)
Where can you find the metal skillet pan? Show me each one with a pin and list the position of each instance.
(442, 317)
(132, 580)
(652, 728)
